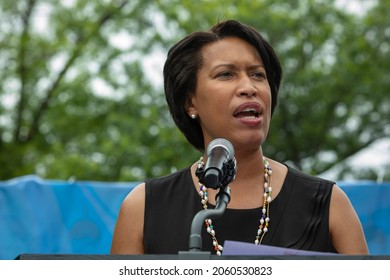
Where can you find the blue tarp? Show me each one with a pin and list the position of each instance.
(59, 217)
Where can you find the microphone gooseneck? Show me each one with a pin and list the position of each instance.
(222, 200)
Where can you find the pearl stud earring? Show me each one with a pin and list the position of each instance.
(193, 116)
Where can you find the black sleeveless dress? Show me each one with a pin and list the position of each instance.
(299, 215)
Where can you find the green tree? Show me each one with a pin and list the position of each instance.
(334, 100)
(80, 103)
(77, 100)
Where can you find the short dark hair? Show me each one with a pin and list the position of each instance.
(184, 60)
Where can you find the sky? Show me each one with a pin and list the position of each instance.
(377, 156)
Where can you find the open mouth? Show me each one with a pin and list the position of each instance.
(247, 113)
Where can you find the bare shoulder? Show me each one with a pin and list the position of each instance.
(135, 199)
(345, 227)
(128, 233)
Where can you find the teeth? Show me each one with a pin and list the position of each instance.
(248, 113)
(250, 110)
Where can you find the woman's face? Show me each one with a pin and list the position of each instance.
(232, 98)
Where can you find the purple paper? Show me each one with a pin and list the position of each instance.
(243, 248)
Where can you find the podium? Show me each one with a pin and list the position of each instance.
(233, 250)
(197, 257)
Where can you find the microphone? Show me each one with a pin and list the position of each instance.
(219, 171)
(219, 152)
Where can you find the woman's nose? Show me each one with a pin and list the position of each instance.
(246, 87)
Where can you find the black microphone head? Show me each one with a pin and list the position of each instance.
(219, 151)
(221, 142)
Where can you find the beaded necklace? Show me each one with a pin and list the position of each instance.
(264, 220)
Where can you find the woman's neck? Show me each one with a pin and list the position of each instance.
(249, 164)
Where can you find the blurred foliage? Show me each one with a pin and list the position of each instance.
(78, 101)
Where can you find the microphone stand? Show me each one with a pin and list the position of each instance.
(222, 199)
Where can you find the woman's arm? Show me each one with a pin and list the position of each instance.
(345, 228)
(128, 233)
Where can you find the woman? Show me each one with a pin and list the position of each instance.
(224, 84)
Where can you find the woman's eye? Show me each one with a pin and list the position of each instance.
(225, 74)
(260, 75)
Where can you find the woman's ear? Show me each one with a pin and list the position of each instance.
(191, 109)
